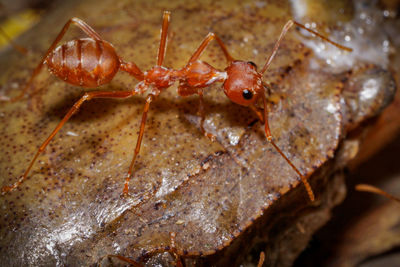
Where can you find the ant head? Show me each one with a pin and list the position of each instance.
(243, 84)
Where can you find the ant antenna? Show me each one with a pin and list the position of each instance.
(286, 28)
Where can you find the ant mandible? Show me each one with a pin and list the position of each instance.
(242, 82)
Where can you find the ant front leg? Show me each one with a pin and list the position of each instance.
(72, 111)
(80, 24)
(271, 140)
(285, 29)
(184, 90)
(259, 114)
(203, 116)
(203, 67)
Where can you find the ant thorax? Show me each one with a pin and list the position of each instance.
(243, 84)
(160, 77)
(200, 74)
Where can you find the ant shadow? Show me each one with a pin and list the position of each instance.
(233, 114)
(97, 110)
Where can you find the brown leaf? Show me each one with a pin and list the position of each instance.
(227, 196)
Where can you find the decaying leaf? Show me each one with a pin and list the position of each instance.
(223, 199)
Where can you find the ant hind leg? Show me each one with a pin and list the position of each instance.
(72, 111)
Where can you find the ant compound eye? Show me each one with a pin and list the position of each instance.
(247, 94)
(252, 63)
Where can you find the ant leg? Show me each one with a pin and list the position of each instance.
(203, 116)
(172, 250)
(149, 99)
(285, 29)
(72, 111)
(125, 259)
(270, 139)
(375, 190)
(79, 23)
(257, 112)
(163, 40)
(17, 47)
(261, 260)
(210, 36)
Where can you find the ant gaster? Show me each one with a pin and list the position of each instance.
(91, 62)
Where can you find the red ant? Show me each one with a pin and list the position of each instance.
(91, 62)
(242, 82)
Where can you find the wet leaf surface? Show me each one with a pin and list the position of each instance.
(212, 194)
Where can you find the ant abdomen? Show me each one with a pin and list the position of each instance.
(84, 62)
